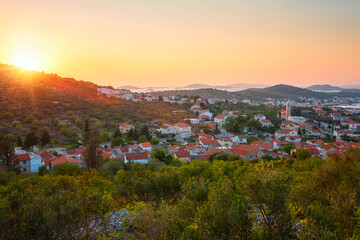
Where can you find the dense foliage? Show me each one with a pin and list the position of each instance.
(222, 199)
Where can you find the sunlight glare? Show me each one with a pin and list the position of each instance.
(26, 58)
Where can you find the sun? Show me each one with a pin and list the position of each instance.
(27, 58)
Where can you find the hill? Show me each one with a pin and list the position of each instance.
(324, 88)
(34, 101)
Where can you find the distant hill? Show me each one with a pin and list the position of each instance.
(198, 86)
(324, 88)
(280, 91)
(127, 87)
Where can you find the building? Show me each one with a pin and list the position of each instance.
(183, 129)
(141, 157)
(288, 110)
(125, 127)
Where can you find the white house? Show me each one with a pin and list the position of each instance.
(260, 117)
(183, 129)
(167, 129)
(146, 146)
(220, 119)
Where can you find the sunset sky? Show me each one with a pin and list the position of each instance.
(180, 42)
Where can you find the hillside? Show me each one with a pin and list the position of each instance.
(324, 88)
(37, 101)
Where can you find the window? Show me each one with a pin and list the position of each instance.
(24, 169)
(24, 162)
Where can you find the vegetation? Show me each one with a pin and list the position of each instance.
(55, 109)
(300, 198)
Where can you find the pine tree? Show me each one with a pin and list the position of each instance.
(19, 142)
(45, 138)
(30, 140)
(7, 154)
(117, 133)
(92, 155)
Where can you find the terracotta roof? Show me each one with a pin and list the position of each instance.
(146, 144)
(182, 154)
(204, 135)
(64, 159)
(239, 151)
(76, 151)
(21, 157)
(46, 157)
(206, 141)
(220, 116)
(181, 124)
(136, 156)
(126, 125)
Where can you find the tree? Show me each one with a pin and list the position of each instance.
(302, 154)
(45, 138)
(287, 148)
(86, 128)
(117, 133)
(142, 139)
(145, 131)
(7, 154)
(105, 136)
(162, 155)
(30, 140)
(92, 156)
(117, 141)
(19, 142)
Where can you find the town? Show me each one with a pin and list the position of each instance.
(271, 129)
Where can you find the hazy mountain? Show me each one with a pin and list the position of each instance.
(127, 87)
(324, 88)
(198, 86)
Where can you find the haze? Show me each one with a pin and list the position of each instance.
(179, 42)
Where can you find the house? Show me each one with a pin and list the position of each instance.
(314, 132)
(125, 127)
(146, 146)
(183, 155)
(260, 117)
(265, 123)
(167, 129)
(244, 154)
(193, 120)
(354, 126)
(28, 162)
(293, 138)
(141, 157)
(204, 135)
(242, 139)
(65, 159)
(339, 133)
(46, 157)
(74, 153)
(220, 119)
(183, 129)
(225, 141)
(206, 113)
(205, 142)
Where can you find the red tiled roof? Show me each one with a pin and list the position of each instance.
(204, 135)
(64, 159)
(46, 157)
(182, 154)
(181, 124)
(220, 116)
(136, 156)
(21, 157)
(146, 144)
(206, 141)
(239, 151)
(76, 151)
(126, 125)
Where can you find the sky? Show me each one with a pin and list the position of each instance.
(178, 42)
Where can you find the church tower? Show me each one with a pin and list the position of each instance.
(288, 109)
